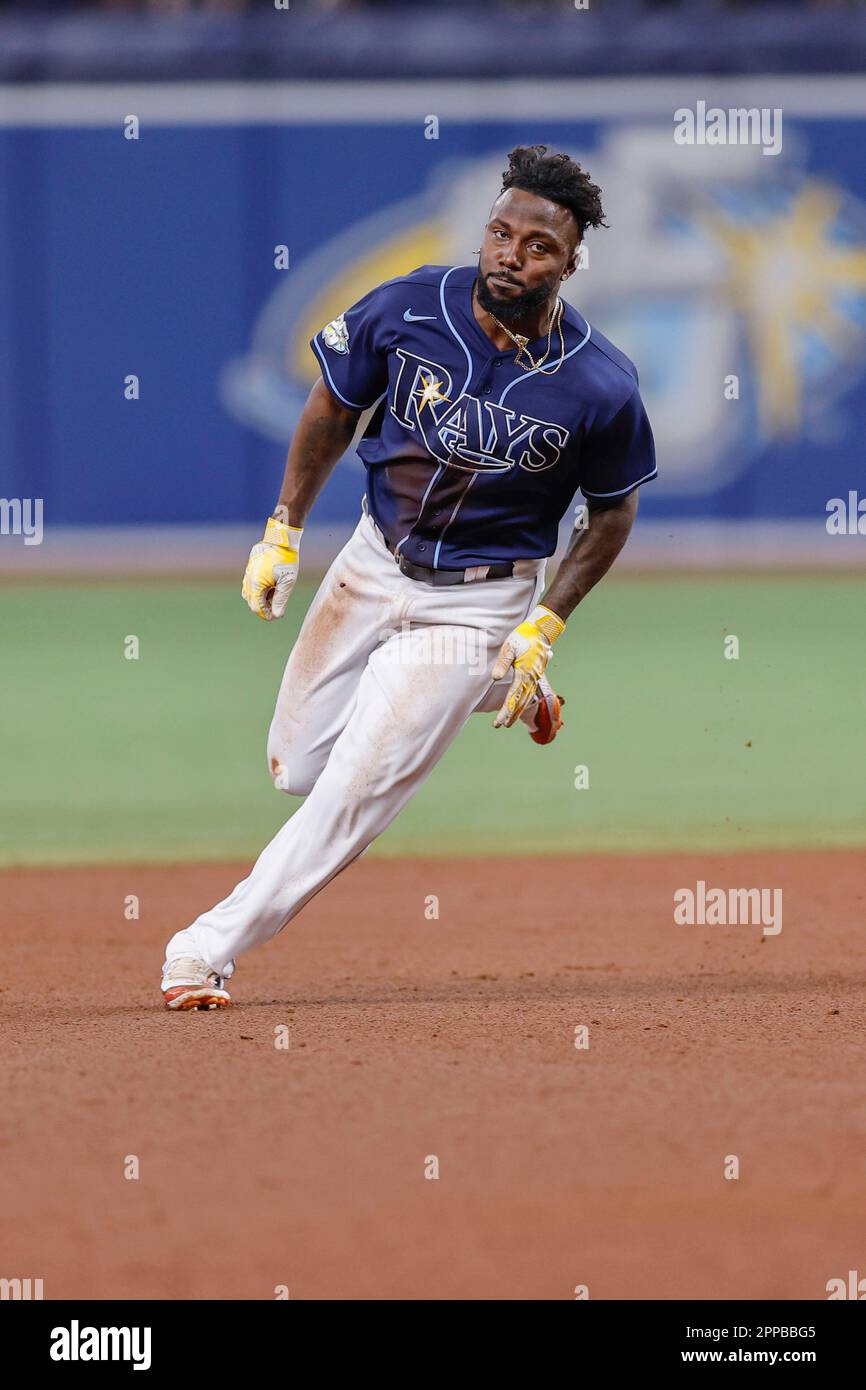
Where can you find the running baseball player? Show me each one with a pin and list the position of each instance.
(492, 403)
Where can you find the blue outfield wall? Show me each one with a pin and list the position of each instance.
(155, 257)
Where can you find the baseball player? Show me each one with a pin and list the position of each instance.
(492, 403)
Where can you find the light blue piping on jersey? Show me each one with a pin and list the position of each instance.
(526, 375)
(518, 379)
(423, 505)
(487, 446)
(457, 507)
(438, 473)
(353, 405)
(447, 318)
(631, 486)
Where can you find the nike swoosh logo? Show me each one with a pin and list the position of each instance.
(409, 317)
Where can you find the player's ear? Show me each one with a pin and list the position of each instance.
(571, 266)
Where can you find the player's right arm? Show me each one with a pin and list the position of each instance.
(323, 434)
(351, 352)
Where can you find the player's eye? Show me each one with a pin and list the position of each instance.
(497, 231)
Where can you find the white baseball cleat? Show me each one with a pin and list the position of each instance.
(543, 716)
(191, 984)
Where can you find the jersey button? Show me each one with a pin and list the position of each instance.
(422, 547)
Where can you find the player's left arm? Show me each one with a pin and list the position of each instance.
(616, 456)
(590, 554)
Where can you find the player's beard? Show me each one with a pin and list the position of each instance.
(515, 309)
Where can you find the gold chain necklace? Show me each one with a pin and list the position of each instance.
(520, 343)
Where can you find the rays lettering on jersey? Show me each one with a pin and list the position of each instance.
(478, 436)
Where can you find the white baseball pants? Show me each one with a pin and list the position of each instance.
(384, 674)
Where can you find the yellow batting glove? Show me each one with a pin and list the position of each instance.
(526, 651)
(272, 569)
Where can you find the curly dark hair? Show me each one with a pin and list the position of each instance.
(557, 177)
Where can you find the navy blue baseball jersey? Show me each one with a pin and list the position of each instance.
(471, 458)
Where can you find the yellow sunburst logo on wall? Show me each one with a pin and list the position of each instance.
(785, 274)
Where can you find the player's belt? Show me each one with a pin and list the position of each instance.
(475, 574)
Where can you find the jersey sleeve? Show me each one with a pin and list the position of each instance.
(619, 456)
(352, 353)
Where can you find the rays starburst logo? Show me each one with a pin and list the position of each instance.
(796, 277)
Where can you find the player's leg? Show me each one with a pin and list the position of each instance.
(347, 619)
(416, 692)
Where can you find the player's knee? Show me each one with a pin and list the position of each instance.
(287, 776)
(279, 760)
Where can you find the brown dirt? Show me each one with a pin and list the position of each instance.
(452, 1038)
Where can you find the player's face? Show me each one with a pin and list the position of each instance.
(529, 244)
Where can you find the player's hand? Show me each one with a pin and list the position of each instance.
(272, 569)
(526, 652)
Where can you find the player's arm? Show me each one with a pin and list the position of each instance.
(323, 434)
(591, 552)
(616, 456)
(589, 556)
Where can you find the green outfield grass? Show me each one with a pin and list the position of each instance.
(164, 758)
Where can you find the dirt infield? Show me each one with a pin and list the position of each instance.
(454, 1037)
